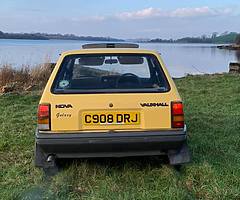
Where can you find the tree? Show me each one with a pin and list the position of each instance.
(214, 35)
(237, 41)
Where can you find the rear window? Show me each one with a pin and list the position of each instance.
(109, 73)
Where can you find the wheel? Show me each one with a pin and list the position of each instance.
(179, 156)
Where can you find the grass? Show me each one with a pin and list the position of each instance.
(212, 115)
(23, 78)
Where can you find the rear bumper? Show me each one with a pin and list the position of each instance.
(117, 144)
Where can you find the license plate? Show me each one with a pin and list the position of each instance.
(111, 118)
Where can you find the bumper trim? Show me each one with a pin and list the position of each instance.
(110, 134)
(108, 141)
(109, 144)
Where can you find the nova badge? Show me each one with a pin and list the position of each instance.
(64, 106)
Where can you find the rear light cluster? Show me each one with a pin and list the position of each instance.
(177, 115)
(44, 117)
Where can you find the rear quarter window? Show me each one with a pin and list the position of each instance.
(110, 73)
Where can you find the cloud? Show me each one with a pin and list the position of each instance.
(145, 13)
(157, 13)
(192, 12)
(202, 11)
(178, 13)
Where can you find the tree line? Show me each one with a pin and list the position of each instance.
(238, 40)
(46, 36)
(215, 38)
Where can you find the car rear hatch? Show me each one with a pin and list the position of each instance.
(110, 92)
(111, 112)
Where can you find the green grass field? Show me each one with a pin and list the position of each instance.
(212, 109)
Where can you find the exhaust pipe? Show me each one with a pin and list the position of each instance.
(50, 167)
(51, 158)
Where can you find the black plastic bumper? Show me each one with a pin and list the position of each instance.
(115, 144)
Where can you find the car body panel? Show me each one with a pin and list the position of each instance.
(69, 117)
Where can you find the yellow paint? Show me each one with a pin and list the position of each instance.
(151, 118)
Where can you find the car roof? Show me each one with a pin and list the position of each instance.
(109, 50)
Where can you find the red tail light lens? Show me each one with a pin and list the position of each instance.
(177, 115)
(44, 117)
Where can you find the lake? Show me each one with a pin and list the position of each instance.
(180, 59)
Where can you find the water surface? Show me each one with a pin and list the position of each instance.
(181, 59)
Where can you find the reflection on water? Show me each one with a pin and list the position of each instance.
(180, 59)
(238, 55)
(184, 59)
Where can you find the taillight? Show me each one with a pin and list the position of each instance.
(177, 115)
(44, 117)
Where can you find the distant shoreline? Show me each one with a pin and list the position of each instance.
(46, 36)
(226, 38)
(214, 45)
(229, 47)
(47, 39)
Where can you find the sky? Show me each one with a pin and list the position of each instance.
(126, 19)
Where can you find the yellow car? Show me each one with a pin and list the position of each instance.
(110, 100)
